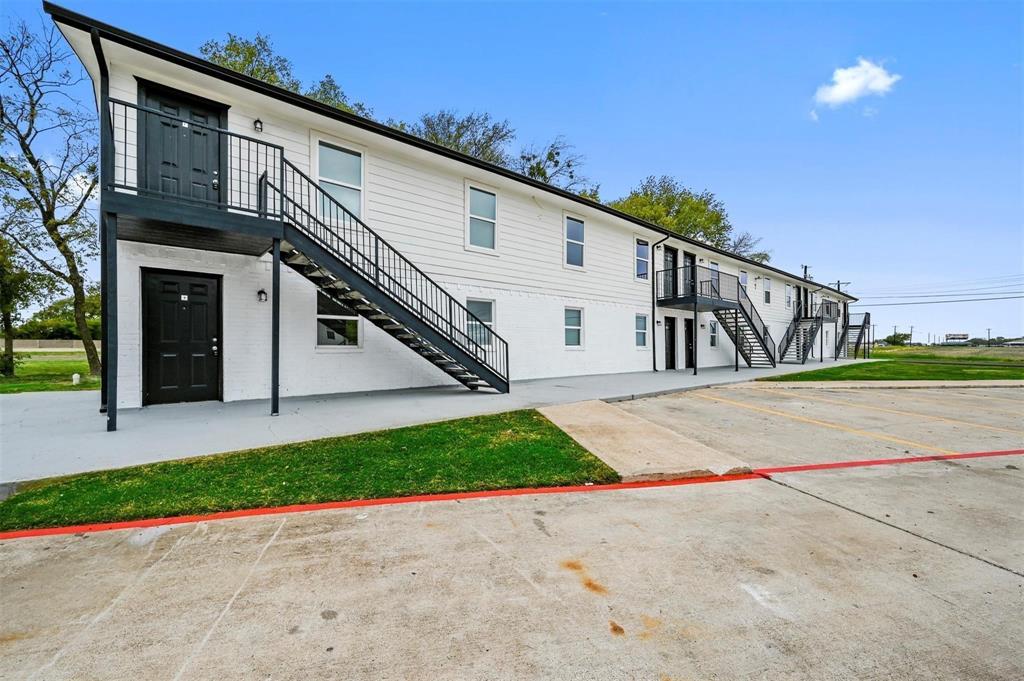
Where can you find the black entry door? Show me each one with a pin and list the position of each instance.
(690, 265)
(179, 152)
(181, 346)
(688, 341)
(670, 343)
(671, 276)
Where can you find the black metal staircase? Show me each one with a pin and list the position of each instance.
(853, 339)
(352, 264)
(755, 342)
(797, 342)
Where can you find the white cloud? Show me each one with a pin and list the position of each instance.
(870, 112)
(813, 115)
(852, 83)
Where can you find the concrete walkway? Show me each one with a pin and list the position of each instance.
(49, 434)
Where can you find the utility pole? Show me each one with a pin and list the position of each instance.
(989, 337)
(911, 341)
(806, 267)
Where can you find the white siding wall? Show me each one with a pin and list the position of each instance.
(417, 200)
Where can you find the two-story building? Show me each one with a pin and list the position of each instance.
(257, 243)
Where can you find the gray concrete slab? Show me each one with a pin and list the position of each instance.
(50, 434)
(733, 580)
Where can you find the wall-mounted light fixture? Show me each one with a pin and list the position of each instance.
(658, 322)
(261, 295)
(700, 260)
(257, 125)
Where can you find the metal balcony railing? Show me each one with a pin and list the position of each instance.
(146, 140)
(690, 280)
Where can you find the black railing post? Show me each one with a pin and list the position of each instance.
(275, 333)
(736, 330)
(696, 335)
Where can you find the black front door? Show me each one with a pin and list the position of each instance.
(181, 345)
(688, 338)
(671, 276)
(179, 153)
(670, 343)
(690, 265)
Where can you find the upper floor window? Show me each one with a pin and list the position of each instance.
(573, 242)
(337, 324)
(479, 328)
(713, 333)
(643, 258)
(767, 291)
(640, 328)
(483, 218)
(743, 279)
(789, 296)
(573, 327)
(340, 174)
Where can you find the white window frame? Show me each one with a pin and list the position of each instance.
(767, 295)
(646, 330)
(566, 216)
(316, 139)
(649, 260)
(789, 296)
(469, 186)
(744, 279)
(494, 317)
(716, 275)
(713, 333)
(581, 327)
(360, 330)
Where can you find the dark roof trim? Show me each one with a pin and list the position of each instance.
(146, 46)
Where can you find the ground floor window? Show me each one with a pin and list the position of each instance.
(479, 329)
(713, 333)
(640, 328)
(573, 327)
(337, 324)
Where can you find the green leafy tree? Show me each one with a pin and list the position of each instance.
(48, 170)
(897, 339)
(19, 288)
(475, 134)
(667, 203)
(256, 58)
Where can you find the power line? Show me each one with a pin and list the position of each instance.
(941, 295)
(951, 283)
(936, 302)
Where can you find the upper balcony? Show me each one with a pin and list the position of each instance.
(707, 288)
(174, 177)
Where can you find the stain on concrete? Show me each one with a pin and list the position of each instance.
(573, 565)
(541, 526)
(652, 625)
(588, 582)
(148, 535)
(329, 614)
(294, 630)
(540, 512)
(12, 636)
(615, 628)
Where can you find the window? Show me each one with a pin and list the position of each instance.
(573, 242)
(767, 291)
(713, 333)
(478, 330)
(336, 324)
(341, 176)
(573, 327)
(789, 296)
(715, 279)
(483, 218)
(643, 258)
(641, 330)
(743, 280)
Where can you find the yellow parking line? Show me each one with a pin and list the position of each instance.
(949, 403)
(826, 424)
(1019, 403)
(901, 412)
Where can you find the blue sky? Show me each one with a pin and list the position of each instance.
(919, 189)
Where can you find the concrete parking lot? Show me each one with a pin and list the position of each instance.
(897, 571)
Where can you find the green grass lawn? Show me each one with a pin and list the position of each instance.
(514, 449)
(49, 371)
(896, 370)
(952, 353)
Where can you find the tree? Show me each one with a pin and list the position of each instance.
(475, 134)
(667, 203)
(19, 288)
(257, 58)
(745, 244)
(557, 164)
(48, 167)
(897, 339)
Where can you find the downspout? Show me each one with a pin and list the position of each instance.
(105, 176)
(654, 304)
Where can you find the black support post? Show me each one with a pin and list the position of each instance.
(110, 314)
(696, 334)
(275, 333)
(103, 314)
(736, 332)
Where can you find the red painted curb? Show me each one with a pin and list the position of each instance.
(757, 474)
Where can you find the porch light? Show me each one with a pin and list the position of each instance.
(257, 125)
(261, 295)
